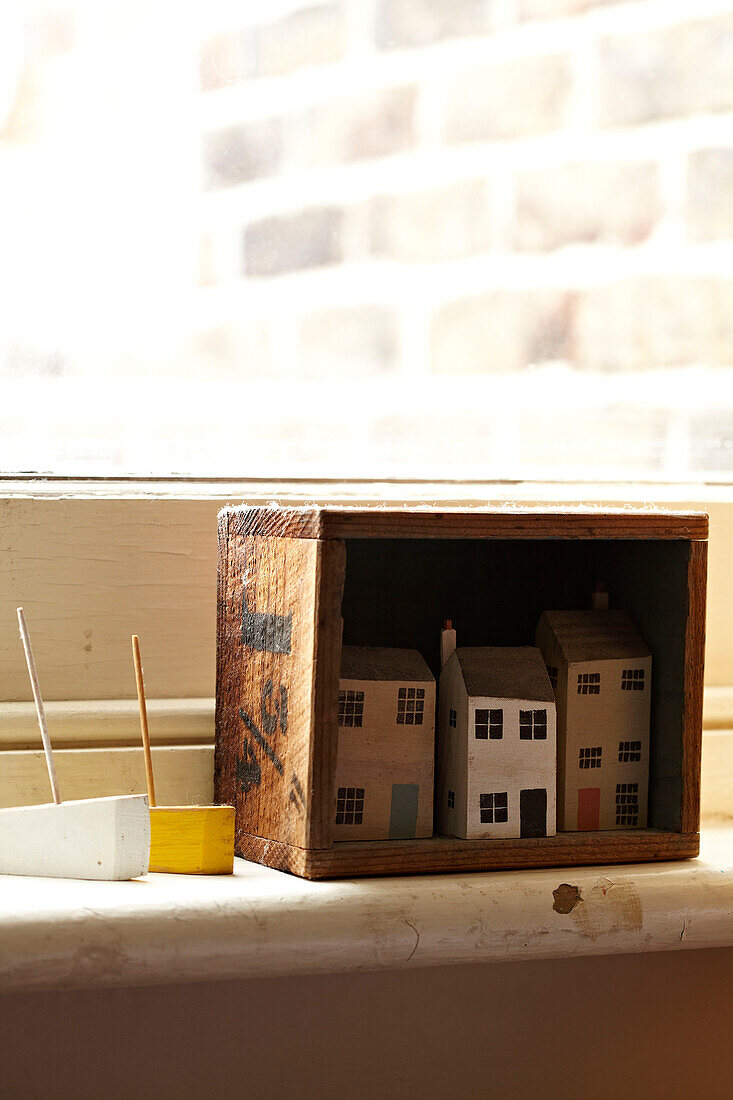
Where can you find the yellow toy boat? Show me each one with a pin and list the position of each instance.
(184, 840)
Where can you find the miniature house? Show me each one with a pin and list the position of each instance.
(601, 670)
(386, 745)
(496, 742)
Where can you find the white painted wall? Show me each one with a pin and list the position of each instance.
(509, 764)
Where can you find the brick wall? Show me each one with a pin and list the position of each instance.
(492, 207)
(425, 238)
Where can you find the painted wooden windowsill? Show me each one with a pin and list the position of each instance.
(165, 929)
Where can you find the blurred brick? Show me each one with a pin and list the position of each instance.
(550, 9)
(349, 343)
(242, 153)
(508, 99)
(710, 194)
(645, 323)
(310, 238)
(605, 203)
(358, 128)
(29, 360)
(678, 71)
(420, 22)
(310, 36)
(501, 331)
(441, 224)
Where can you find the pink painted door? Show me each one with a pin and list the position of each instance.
(589, 807)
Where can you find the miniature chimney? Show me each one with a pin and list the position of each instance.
(599, 598)
(447, 641)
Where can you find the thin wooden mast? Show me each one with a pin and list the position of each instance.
(143, 719)
(40, 712)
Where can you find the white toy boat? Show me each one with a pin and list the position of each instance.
(102, 838)
(107, 838)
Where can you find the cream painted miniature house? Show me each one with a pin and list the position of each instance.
(496, 742)
(386, 745)
(601, 670)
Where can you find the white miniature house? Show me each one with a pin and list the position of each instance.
(386, 745)
(496, 742)
(601, 669)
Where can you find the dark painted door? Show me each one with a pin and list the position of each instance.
(403, 811)
(533, 812)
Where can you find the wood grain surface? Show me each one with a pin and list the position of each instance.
(504, 522)
(440, 855)
(277, 683)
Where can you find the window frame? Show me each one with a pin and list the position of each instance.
(118, 540)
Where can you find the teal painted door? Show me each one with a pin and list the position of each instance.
(403, 815)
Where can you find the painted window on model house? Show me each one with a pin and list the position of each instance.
(533, 725)
(629, 752)
(351, 708)
(349, 805)
(453, 719)
(451, 800)
(410, 706)
(589, 683)
(489, 724)
(494, 807)
(632, 679)
(590, 758)
(627, 803)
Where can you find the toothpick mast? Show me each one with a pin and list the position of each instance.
(143, 719)
(25, 638)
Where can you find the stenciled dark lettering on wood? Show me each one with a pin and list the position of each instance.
(271, 719)
(248, 770)
(297, 797)
(249, 773)
(261, 740)
(266, 632)
(277, 681)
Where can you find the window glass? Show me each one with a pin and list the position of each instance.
(389, 239)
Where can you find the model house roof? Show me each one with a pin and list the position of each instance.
(596, 635)
(365, 662)
(505, 672)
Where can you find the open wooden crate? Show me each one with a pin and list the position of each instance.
(287, 578)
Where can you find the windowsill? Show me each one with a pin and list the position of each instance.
(59, 934)
(165, 929)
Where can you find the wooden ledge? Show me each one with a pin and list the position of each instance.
(165, 929)
(447, 855)
(505, 521)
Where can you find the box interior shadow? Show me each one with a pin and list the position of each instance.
(398, 592)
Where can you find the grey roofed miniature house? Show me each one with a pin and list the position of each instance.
(496, 744)
(601, 669)
(386, 745)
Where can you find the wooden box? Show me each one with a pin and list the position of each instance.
(294, 583)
